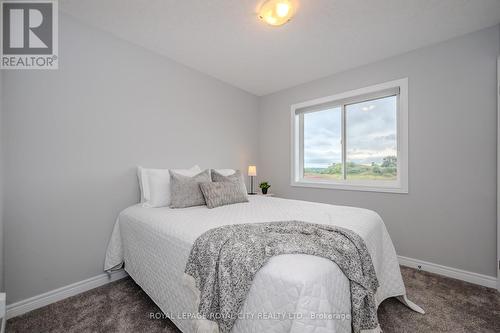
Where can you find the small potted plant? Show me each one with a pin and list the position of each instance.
(264, 186)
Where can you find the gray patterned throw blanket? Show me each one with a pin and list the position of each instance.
(224, 261)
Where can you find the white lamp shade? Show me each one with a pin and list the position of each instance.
(252, 170)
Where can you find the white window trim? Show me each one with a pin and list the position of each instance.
(398, 186)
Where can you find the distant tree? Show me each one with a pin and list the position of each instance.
(389, 162)
(334, 169)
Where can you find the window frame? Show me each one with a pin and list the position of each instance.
(354, 96)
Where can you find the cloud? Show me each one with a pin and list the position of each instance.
(370, 132)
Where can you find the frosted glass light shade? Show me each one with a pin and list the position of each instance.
(276, 12)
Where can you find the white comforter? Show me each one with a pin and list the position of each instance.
(291, 293)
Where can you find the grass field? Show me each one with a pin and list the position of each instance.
(387, 170)
(361, 176)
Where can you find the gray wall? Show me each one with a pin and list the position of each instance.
(1, 184)
(74, 136)
(448, 217)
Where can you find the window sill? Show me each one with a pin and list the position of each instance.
(352, 187)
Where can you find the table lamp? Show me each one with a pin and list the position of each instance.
(252, 172)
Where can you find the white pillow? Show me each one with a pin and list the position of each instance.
(155, 185)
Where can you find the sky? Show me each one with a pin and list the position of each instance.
(370, 129)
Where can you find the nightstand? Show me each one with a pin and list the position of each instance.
(266, 195)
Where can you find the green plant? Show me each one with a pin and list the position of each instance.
(264, 185)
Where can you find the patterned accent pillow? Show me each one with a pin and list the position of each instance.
(185, 190)
(222, 193)
(234, 178)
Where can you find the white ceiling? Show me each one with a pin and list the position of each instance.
(224, 38)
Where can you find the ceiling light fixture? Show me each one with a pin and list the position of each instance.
(276, 12)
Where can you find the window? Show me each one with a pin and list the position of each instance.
(357, 140)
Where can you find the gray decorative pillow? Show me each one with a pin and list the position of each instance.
(234, 178)
(222, 193)
(185, 191)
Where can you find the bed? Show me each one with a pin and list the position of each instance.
(291, 293)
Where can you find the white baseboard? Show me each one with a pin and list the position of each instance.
(35, 302)
(480, 279)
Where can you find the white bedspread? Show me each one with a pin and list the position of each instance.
(155, 243)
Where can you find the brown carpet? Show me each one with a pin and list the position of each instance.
(451, 306)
